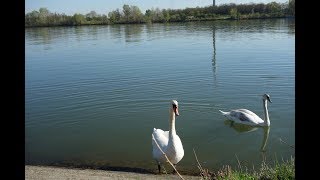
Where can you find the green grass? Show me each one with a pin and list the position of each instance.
(284, 170)
(278, 171)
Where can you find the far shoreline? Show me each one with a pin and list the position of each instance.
(131, 14)
(173, 22)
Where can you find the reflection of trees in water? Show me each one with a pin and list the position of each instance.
(115, 30)
(78, 31)
(41, 34)
(133, 32)
(93, 32)
(233, 30)
(243, 128)
(45, 35)
(150, 30)
(291, 25)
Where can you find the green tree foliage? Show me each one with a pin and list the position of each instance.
(274, 9)
(166, 15)
(79, 19)
(292, 7)
(132, 14)
(148, 16)
(126, 11)
(104, 19)
(44, 12)
(94, 18)
(114, 16)
(136, 15)
(32, 18)
(91, 16)
(43, 16)
(234, 13)
(158, 16)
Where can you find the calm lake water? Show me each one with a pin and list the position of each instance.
(95, 93)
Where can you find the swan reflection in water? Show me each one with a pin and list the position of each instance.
(243, 128)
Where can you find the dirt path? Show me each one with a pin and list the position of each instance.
(50, 173)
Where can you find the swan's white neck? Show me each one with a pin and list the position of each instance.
(172, 122)
(266, 114)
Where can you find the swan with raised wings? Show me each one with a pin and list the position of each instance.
(246, 116)
(168, 141)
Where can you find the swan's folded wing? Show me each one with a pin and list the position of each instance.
(162, 137)
(237, 115)
(242, 115)
(247, 115)
(246, 111)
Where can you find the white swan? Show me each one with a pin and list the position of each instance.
(246, 116)
(169, 141)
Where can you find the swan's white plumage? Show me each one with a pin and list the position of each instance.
(169, 142)
(174, 150)
(245, 116)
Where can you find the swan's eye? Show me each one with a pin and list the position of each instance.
(174, 106)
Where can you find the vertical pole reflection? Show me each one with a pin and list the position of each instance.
(214, 67)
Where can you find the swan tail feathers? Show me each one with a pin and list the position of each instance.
(223, 113)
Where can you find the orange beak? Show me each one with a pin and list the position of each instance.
(176, 111)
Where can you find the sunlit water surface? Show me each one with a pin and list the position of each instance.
(95, 93)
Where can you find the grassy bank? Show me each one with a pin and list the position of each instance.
(276, 171)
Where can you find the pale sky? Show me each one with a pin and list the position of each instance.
(71, 7)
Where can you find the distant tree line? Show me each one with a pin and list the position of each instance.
(132, 14)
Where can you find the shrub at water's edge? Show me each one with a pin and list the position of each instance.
(132, 14)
